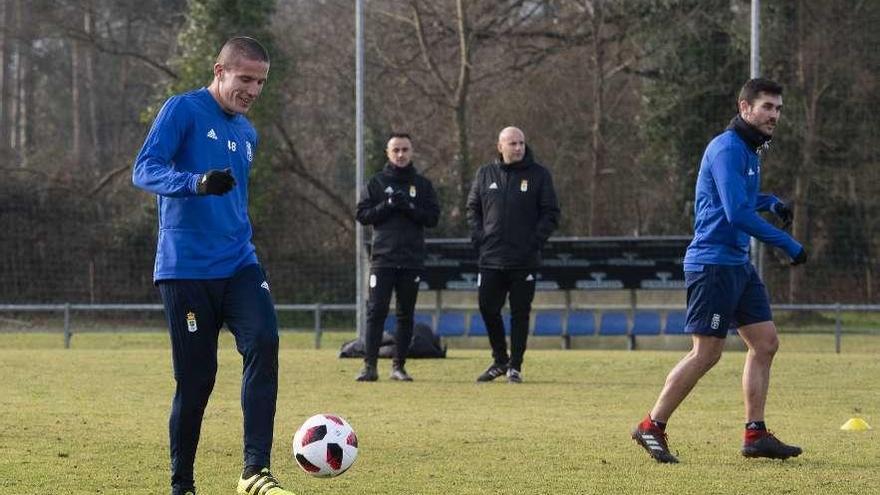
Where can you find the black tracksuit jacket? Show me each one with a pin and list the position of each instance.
(398, 234)
(511, 210)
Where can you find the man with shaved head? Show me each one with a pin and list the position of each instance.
(511, 210)
(196, 160)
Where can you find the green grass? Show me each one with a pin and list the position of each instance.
(93, 419)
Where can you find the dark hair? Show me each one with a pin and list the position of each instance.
(242, 47)
(754, 87)
(400, 135)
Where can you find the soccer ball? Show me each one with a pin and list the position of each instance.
(325, 445)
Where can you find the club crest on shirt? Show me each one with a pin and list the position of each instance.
(191, 324)
(524, 185)
(249, 150)
(412, 191)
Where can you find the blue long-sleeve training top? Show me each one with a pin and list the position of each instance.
(200, 237)
(726, 206)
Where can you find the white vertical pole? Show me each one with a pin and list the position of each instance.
(757, 249)
(359, 154)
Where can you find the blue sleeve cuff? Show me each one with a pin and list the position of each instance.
(192, 185)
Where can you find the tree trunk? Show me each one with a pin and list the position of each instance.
(462, 165)
(4, 76)
(91, 84)
(806, 80)
(75, 97)
(462, 161)
(17, 109)
(597, 129)
(121, 109)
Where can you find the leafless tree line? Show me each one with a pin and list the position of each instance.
(616, 97)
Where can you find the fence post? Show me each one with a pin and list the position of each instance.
(838, 331)
(67, 332)
(318, 326)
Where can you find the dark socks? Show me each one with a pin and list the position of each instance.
(756, 425)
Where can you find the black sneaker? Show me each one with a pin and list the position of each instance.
(492, 372)
(368, 374)
(765, 444)
(653, 440)
(514, 376)
(182, 491)
(398, 372)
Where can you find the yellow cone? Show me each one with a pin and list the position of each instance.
(856, 424)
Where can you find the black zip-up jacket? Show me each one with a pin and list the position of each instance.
(512, 210)
(398, 233)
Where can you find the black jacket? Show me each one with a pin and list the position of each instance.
(398, 233)
(512, 210)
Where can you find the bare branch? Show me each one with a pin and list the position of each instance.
(109, 176)
(297, 166)
(426, 54)
(90, 38)
(464, 55)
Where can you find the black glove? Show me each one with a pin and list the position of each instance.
(784, 213)
(398, 200)
(217, 182)
(801, 258)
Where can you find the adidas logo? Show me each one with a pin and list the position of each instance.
(751, 172)
(212, 135)
(493, 185)
(652, 442)
(265, 285)
(530, 278)
(389, 190)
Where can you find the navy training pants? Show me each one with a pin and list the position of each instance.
(196, 310)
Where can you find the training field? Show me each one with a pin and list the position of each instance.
(93, 419)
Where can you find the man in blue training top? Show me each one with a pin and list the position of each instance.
(723, 288)
(196, 159)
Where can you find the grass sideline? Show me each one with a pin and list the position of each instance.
(93, 419)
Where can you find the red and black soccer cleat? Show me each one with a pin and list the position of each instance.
(653, 440)
(762, 443)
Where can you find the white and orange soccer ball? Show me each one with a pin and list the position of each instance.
(325, 445)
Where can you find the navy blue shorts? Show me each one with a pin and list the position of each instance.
(721, 297)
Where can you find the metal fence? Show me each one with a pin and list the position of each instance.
(319, 310)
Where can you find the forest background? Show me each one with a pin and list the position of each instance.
(618, 98)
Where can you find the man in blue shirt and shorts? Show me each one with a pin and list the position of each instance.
(197, 158)
(723, 288)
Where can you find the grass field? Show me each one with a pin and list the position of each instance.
(93, 419)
